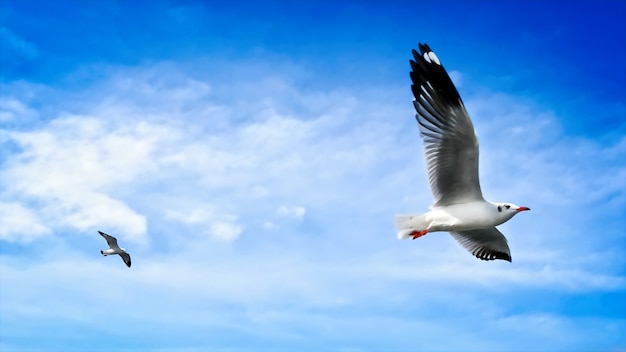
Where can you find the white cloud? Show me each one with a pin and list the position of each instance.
(192, 217)
(225, 230)
(296, 212)
(19, 223)
(280, 291)
(11, 109)
(75, 164)
(202, 220)
(269, 225)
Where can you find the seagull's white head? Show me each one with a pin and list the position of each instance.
(508, 210)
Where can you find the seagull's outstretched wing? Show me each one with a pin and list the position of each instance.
(485, 244)
(450, 144)
(126, 258)
(111, 241)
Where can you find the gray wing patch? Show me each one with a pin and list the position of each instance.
(451, 146)
(111, 241)
(485, 244)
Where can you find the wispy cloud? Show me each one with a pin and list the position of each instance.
(11, 109)
(16, 47)
(19, 223)
(296, 212)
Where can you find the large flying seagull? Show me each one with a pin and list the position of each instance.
(451, 151)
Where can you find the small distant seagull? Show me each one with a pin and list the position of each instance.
(114, 249)
(451, 151)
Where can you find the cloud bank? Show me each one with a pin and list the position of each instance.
(266, 217)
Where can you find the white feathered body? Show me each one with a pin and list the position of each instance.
(452, 218)
(110, 251)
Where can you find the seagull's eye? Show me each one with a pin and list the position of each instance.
(499, 208)
(507, 206)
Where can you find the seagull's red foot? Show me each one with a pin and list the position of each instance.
(417, 234)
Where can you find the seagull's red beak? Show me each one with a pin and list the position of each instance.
(522, 209)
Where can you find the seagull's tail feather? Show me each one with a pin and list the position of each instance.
(407, 223)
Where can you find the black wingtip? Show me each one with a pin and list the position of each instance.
(494, 256)
(505, 257)
(428, 71)
(488, 254)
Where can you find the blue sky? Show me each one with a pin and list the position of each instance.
(251, 157)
